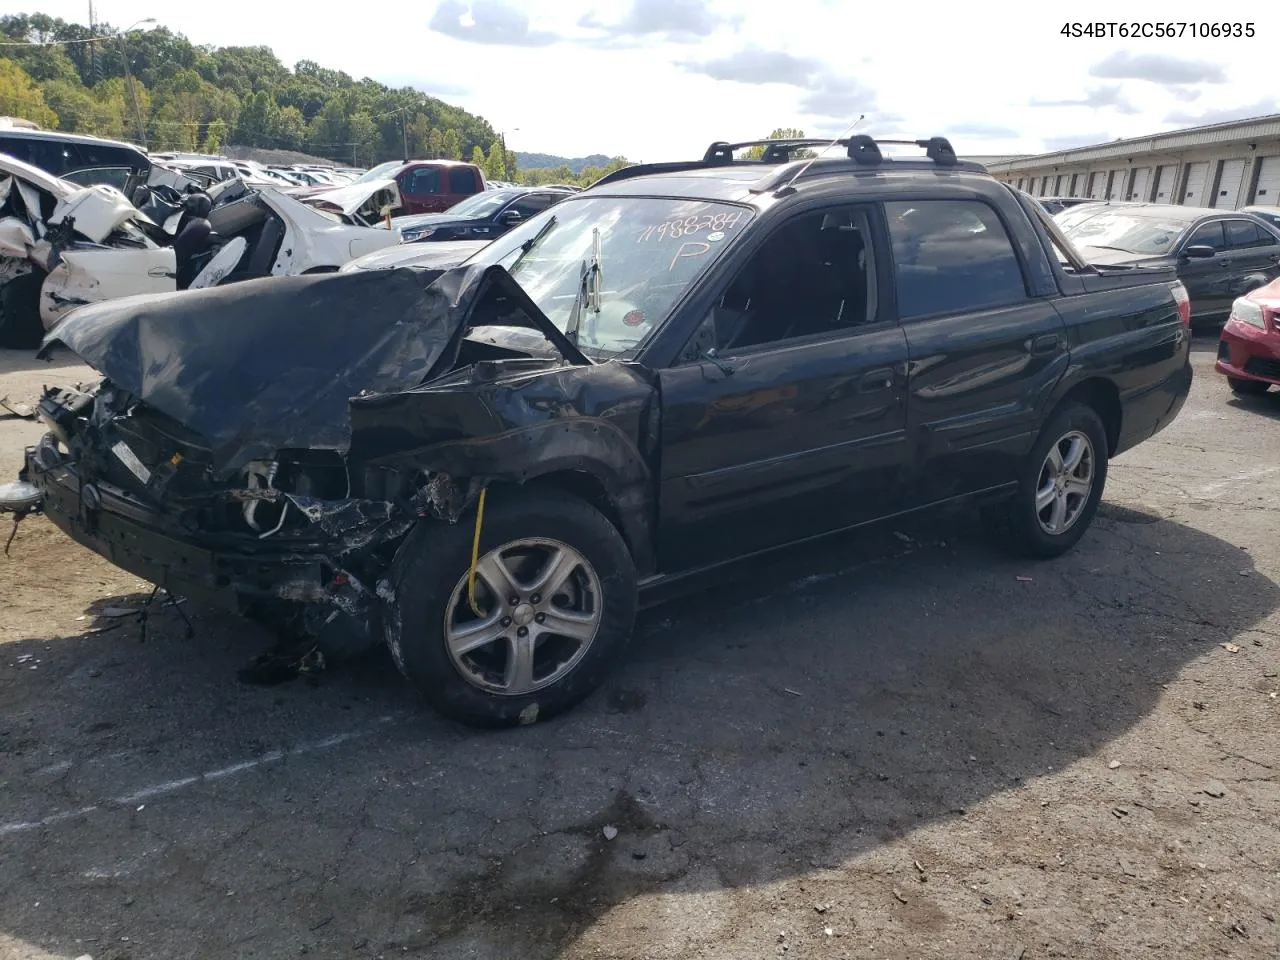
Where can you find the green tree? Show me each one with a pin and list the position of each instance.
(435, 143)
(495, 164)
(20, 97)
(364, 139)
(291, 129)
(478, 157)
(418, 134)
(451, 147)
(259, 122)
(215, 135)
(781, 133)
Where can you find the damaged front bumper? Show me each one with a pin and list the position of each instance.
(224, 571)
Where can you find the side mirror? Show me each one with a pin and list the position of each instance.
(510, 218)
(1198, 252)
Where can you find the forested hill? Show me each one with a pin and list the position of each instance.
(187, 97)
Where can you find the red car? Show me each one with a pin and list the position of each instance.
(1249, 351)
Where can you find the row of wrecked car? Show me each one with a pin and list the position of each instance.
(63, 245)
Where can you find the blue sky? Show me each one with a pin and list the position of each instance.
(660, 79)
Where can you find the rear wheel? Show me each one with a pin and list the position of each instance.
(1061, 485)
(554, 604)
(1247, 388)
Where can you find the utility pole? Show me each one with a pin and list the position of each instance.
(404, 135)
(128, 81)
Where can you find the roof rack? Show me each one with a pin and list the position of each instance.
(861, 149)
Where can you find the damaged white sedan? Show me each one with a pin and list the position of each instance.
(63, 246)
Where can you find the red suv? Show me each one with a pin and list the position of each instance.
(428, 186)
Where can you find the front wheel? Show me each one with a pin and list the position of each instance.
(1247, 388)
(552, 608)
(1060, 487)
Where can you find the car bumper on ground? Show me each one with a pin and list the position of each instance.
(126, 532)
(1247, 353)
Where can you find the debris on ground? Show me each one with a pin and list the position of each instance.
(1231, 648)
(1113, 765)
(610, 832)
(1215, 789)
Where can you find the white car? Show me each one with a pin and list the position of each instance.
(76, 244)
(438, 256)
(87, 244)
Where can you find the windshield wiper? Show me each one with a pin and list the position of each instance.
(589, 287)
(532, 242)
(1099, 246)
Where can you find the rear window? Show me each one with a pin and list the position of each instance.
(951, 256)
(462, 180)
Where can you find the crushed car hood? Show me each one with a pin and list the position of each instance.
(271, 364)
(350, 199)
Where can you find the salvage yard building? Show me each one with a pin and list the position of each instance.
(1223, 165)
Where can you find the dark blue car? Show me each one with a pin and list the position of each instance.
(482, 217)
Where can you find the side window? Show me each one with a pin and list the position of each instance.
(814, 275)
(1208, 235)
(462, 180)
(1241, 234)
(951, 256)
(532, 204)
(117, 177)
(423, 180)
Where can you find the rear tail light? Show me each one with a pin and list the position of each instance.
(1183, 300)
(1246, 311)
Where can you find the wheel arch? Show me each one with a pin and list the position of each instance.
(588, 458)
(1103, 397)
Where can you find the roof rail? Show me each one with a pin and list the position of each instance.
(862, 149)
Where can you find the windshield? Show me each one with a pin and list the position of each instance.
(1113, 230)
(481, 205)
(651, 250)
(383, 171)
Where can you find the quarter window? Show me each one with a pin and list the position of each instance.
(951, 256)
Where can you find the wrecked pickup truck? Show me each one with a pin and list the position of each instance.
(685, 365)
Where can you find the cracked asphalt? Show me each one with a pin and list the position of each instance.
(901, 743)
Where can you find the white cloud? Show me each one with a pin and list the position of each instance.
(640, 78)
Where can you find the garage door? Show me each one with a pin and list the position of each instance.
(1268, 192)
(1141, 184)
(1197, 186)
(1116, 180)
(1076, 179)
(1097, 184)
(1229, 185)
(1166, 177)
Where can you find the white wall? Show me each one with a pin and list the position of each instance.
(1173, 171)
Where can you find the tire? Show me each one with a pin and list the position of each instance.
(1247, 388)
(428, 598)
(1019, 522)
(20, 324)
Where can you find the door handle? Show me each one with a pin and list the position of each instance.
(1047, 343)
(875, 380)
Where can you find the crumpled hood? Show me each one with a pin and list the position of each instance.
(262, 365)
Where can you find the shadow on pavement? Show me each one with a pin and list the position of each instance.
(821, 705)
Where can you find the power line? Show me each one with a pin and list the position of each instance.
(50, 43)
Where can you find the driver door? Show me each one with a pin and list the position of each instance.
(1206, 279)
(796, 425)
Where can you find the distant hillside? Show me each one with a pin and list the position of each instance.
(545, 161)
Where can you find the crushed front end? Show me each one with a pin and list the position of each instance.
(139, 489)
